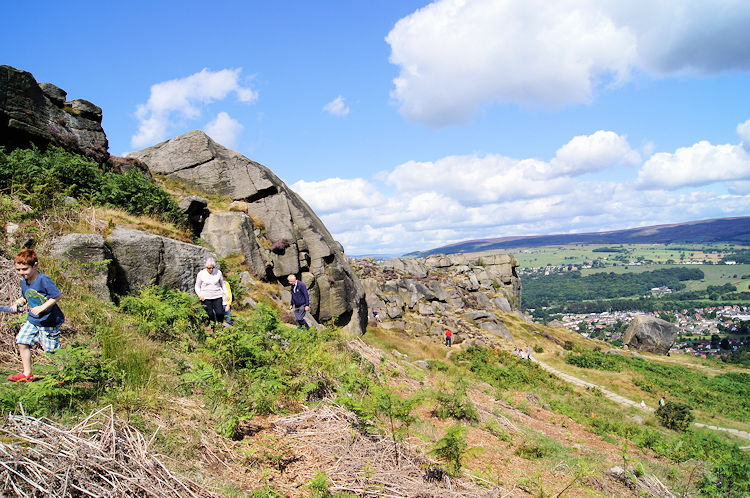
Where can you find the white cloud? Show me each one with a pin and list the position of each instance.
(424, 204)
(700, 164)
(224, 129)
(455, 55)
(743, 130)
(739, 188)
(337, 107)
(174, 101)
(477, 179)
(587, 153)
(336, 194)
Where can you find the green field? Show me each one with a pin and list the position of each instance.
(658, 253)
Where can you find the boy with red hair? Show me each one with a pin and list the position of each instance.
(44, 315)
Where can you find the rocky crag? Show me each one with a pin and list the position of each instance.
(269, 224)
(39, 114)
(467, 294)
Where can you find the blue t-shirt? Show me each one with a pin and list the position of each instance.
(36, 293)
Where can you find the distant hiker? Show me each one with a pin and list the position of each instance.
(448, 338)
(661, 401)
(44, 318)
(376, 315)
(300, 301)
(643, 404)
(528, 353)
(228, 306)
(209, 285)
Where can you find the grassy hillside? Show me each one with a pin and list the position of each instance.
(265, 409)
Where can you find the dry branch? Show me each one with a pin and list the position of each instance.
(366, 464)
(101, 456)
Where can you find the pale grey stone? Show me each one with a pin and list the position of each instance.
(650, 334)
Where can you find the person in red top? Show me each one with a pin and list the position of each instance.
(448, 338)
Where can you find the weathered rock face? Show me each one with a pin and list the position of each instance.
(142, 258)
(269, 224)
(425, 296)
(650, 334)
(128, 259)
(37, 113)
(90, 250)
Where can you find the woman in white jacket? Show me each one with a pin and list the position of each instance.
(209, 285)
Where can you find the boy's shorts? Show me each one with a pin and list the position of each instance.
(31, 334)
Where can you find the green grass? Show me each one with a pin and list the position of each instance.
(577, 254)
(727, 393)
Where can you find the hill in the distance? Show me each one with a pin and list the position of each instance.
(731, 230)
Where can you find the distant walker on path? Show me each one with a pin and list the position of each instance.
(300, 301)
(448, 338)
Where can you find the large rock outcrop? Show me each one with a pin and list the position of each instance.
(37, 113)
(650, 334)
(424, 296)
(276, 231)
(128, 259)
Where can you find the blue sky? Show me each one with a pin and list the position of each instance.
(408, 125)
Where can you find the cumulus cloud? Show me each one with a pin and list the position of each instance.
(455, 55)
(224, 129)
(425, 204)
(337, 107)
(336, 194)
(475, 179)
(743, 130)
(175, 101)
(700, 164)
(588, 153)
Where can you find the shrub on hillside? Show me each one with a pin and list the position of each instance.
(41, 179)
(137, 195)
(452, 448)
(597, 360)
(675, 415)
(165, 314)
(456, 404)
(504, 370)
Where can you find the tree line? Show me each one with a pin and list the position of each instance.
(572, 287)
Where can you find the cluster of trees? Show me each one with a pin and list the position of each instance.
(742, 257)
(609, 249)
(571, 287)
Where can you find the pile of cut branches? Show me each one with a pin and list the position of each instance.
(367, 464)
(10, 290)
(101, 456)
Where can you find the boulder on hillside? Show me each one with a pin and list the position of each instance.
(650, 334)
(128, 259)
(37, 113)
(142, 258)
(91, 251)
(497, 328)
(280, 234)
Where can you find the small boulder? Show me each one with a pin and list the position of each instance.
(498, 329)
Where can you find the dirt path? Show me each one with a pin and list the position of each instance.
(628, 402)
